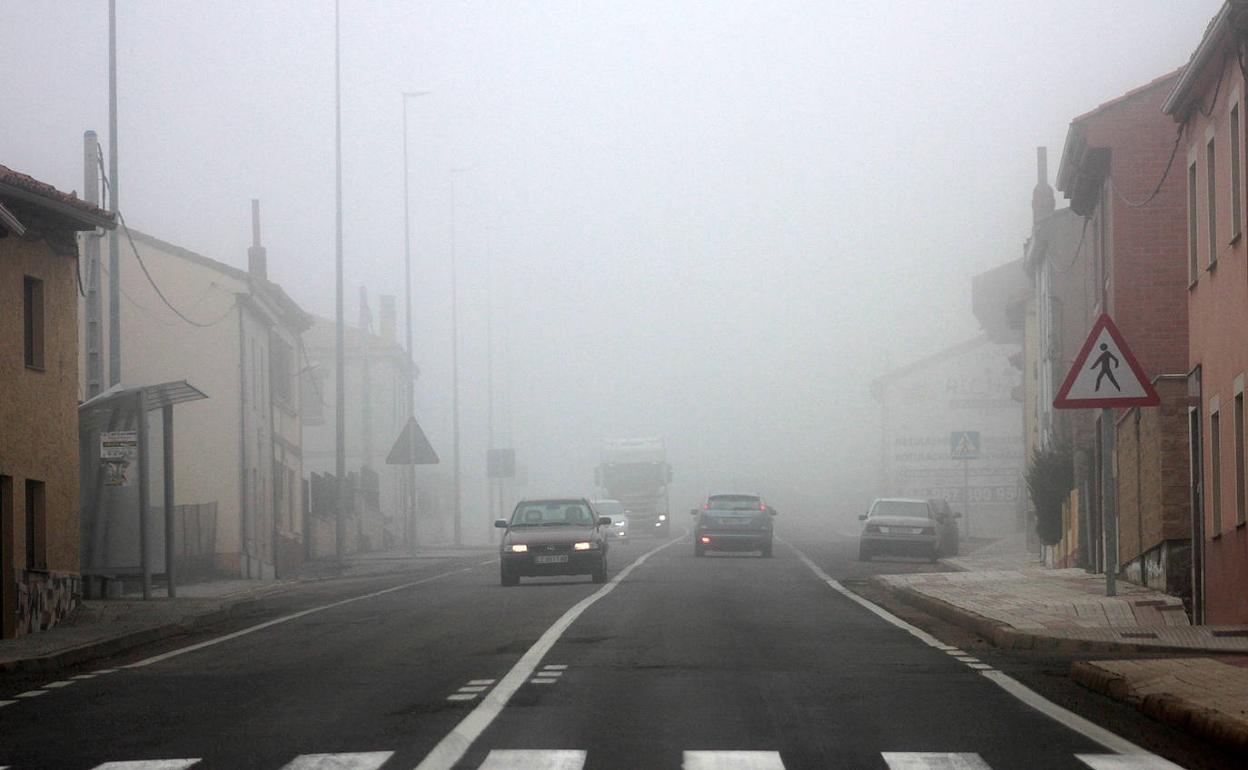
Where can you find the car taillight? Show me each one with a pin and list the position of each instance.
(705, 540)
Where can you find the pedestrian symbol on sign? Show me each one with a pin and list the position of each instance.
(1103, 362)
(964, 445)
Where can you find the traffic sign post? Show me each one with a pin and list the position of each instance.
(1106, 376)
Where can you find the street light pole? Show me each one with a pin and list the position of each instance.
(340, 423)
(413, 540)
(459, 524)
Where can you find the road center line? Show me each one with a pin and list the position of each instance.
(1069, 719)
(456, 743)
(287, 618)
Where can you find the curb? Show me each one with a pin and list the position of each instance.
(103, 648)
(1213, 726)
(1007, 637)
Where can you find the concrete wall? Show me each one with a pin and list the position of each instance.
(39, 435)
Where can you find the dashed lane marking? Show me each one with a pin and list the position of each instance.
(450, 750)
(80, 677)
(104, 671)
(474, 688)
(149, 764)
(967, 659)
(732, 760)
(980, 666)
(1066, 718)
(57, 685)
(542, 681)
(31, 694)
(481, 681)
(954, 651)
(368, 760)
(4, 703)
(461, 696)
(286, 619)
(533, 759)
(1126, 762)
(556, 667)
(932, 760)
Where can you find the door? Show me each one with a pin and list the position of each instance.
(8, 582)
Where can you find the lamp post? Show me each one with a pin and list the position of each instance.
(459, 525)
(413, 540)
(340, 443)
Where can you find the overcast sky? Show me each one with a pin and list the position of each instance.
(714, 221)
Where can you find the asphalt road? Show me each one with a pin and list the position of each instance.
(718, 662)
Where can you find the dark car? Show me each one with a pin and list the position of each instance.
(900, 526)
(733, 523)
(553, 537)
(946, 518)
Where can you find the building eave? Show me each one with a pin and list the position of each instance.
(1178, 102)
(78, 217)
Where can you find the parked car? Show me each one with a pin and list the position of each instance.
(899, 526)
(618, 530)
(947, 518)
(563, 536)
(733, 523)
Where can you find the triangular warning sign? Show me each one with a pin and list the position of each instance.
(1105, 374)
(412, 447)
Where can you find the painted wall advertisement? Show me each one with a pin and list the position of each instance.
(119, 454)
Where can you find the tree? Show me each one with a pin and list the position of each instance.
(1050, 477)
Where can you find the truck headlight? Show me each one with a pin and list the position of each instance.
(662, 517)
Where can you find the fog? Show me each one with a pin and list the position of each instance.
(716, 222)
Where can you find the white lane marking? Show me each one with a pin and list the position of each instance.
(453, 746)
(980, 666)
(932, 760)
(462, 696)
(543, 681)
(544, 672)
(474, 688)
(967, 659)
(533, 759)
(364, 760)
(481, 681)
(31, 694)
(1126, 762)
(4, 703)
(149, 764)
(732, 760)
(56, 685)
(1055, 712)
(954, 651)
(285, 619)
(80, 677)
(104, 671)
(556, 666)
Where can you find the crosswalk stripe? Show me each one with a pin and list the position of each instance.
(149, 764)
(933, 760)
(1126, 762)
(533, 759)
(732, 760)
(363, 760)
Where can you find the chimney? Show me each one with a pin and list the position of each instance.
(1042, 201)
(388, 319)
(257, 257)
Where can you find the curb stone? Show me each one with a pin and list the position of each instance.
(1209, 724)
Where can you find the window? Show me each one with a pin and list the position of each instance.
(1193, 257)
(1212, 205)
(312, 400)
(32, 320)
(1239, 458)
(1215, 471)
(281, 358)
(1237, 216)
(36, 526)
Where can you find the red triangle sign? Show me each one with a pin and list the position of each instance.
(1105, 374)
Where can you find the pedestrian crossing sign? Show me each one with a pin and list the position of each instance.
(964, 445)
(1105, 374)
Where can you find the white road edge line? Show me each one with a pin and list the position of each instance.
(1067, 718)
(286, 619)
(456, 743)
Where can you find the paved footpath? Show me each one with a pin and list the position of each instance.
(1005, 596)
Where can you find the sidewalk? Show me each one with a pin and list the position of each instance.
(101, 627)
(1006, 596)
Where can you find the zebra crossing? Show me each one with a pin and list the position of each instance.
(574, 759)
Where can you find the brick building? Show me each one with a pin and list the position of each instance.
(39, 567)
(1207, 103)
(1112, 162)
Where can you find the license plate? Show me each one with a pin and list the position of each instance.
(901, 530)
(555, 559)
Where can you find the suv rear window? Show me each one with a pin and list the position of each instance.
(734, 502)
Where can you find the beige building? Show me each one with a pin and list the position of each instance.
(39, 570)
(236, 336)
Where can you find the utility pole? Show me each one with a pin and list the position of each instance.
(91, 244)
(114, 257)
(340, 422)
(489, 380)
(413, 539)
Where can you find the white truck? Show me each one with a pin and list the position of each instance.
(635, 472)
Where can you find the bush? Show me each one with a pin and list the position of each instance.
(1050, 477)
